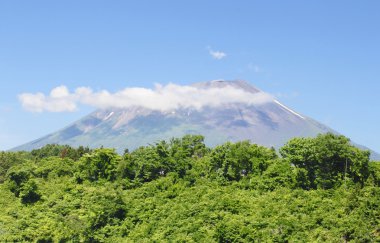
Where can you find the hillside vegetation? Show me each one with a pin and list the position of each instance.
(316, 189)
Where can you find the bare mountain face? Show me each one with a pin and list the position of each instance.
(268, 124)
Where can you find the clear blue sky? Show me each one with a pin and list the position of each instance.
(321, 58)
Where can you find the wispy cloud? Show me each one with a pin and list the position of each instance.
(255, 68)
(216, 54)
(5, 108)
(289, 95)
(162, 97)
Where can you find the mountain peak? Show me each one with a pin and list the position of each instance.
(268, 123)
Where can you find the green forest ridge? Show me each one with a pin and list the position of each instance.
(319, 189)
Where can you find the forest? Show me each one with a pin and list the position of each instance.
(320, 189)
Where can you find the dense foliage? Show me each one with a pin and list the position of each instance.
(317, 189)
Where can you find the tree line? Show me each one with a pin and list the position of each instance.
(312, 189)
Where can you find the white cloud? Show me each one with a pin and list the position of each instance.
(162, 97)
(59, 92)
(216, 54)
(59, 100)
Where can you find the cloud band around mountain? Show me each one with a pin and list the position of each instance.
(162, 97)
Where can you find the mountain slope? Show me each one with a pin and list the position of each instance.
(269, 124)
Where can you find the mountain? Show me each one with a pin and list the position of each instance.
(270, 124)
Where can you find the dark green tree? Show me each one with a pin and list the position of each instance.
(235, 160)
(10, 159)
(147, 163)
(100, 164)
(29, 192)
(17, 176)
(326, 161)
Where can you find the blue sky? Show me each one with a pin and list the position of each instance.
(321, 58)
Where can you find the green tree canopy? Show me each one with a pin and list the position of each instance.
(326, 161)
